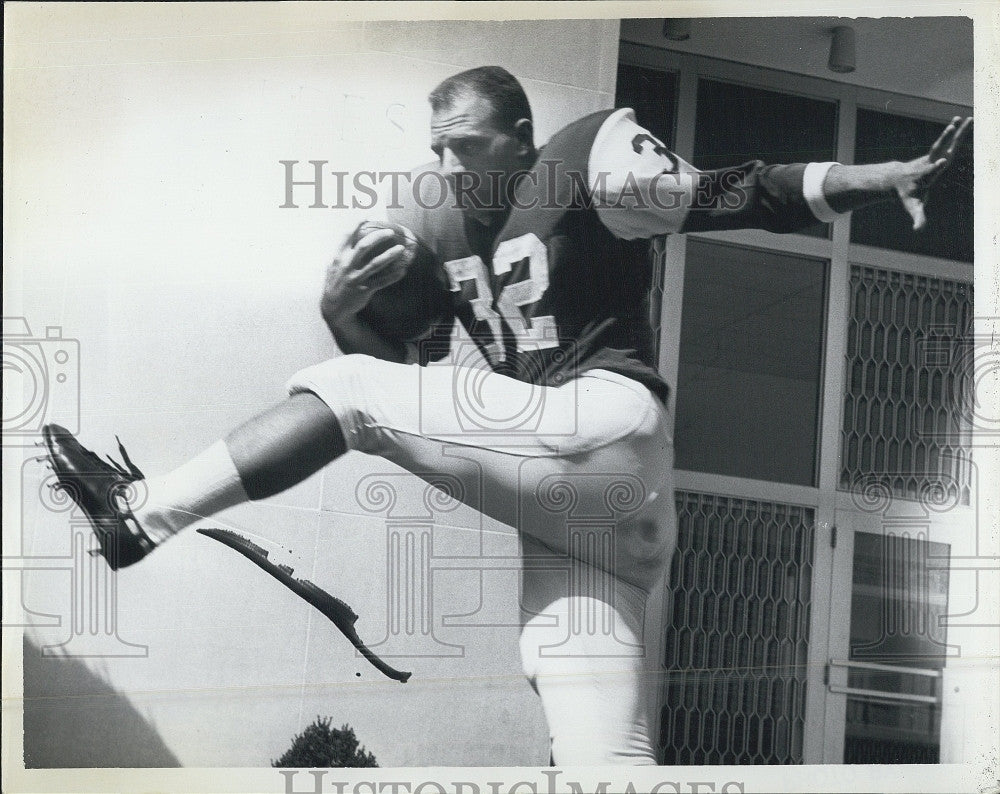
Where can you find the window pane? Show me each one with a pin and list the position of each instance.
(653, 97)
(749, 374)
(736, 123)
(948, 234)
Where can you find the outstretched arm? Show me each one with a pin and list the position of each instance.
(642, 190)
(848, 187)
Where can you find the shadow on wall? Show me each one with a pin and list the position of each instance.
(73, 718)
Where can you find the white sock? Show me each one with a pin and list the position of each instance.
(197, 489)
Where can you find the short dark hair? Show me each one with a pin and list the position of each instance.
(493, 83)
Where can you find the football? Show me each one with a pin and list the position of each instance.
(407, 309)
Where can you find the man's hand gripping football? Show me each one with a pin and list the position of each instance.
(360, 270)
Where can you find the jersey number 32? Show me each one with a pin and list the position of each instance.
(513, 306)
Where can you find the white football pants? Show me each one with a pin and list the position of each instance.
(583, 471)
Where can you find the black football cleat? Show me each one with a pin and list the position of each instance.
(95, 485)
(339, 613)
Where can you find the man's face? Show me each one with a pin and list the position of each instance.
(474, 154)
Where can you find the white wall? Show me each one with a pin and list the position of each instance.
(141, 215)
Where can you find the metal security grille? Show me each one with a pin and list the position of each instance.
(737, 639)
(909, 375)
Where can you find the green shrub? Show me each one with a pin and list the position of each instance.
(319, 745)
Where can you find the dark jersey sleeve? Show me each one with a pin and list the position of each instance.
(641, 189)
(752, 195)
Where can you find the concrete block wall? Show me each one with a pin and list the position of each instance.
(142, 217)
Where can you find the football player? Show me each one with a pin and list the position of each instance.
(546, 253)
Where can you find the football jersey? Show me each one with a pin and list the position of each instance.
(560, 284)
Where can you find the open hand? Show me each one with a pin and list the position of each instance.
(916, 177)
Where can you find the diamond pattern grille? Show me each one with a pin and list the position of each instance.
(737, 638)
(907, 385)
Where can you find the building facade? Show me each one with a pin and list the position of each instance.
(825, 483)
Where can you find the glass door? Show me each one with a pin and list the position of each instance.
(821, 471)
(888, 637)
(903, 501)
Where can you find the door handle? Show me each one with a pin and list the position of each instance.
(880, 694)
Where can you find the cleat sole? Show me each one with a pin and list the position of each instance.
(338, 612)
